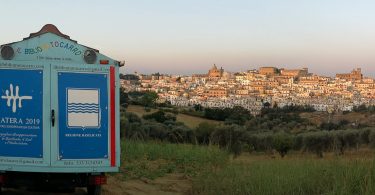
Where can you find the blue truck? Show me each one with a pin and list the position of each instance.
(59, 113)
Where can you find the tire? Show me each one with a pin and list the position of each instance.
(94, 190)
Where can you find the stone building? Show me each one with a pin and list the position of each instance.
(295, 73)
(216, 93)
(269, 71)
(214, 72)
(356, 74)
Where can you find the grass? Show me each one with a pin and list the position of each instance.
(290, 176)
(139, 110)
(193, 122)
(190, 121)
(152, 159)
(214, 172)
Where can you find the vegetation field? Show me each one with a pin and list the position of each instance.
(290, 176)
(139, 110)
(352, 117)
(153, 159)
(190, 121)
(289, 150)
(214, 171)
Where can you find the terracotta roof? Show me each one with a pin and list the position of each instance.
(49, 28)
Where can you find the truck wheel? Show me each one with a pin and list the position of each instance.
(94, 190)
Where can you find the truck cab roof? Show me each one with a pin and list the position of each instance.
(51, 45)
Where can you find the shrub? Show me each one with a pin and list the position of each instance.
(372, 139)
(298, 142)
(317, 142)
(365, 135)
(229, 137)
(180, 134)
(338, 142)
(329, 126)
(160, 116)
(260, 142)
(148, 99)
(156, 131)
(123, 126)
(282, 143)
(133, 118)
(351, 138)
(203, 132)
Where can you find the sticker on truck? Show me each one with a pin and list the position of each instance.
(21, 113)
(83, 115)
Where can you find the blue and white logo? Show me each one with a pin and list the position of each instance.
(12, 97)
(21, 113)
(83, 108)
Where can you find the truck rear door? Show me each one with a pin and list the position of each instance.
(81, 116)
(24, 108)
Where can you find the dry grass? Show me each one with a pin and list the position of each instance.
(139, 110)
(363, 153)
(212, 172)
(190, 121)
(297, 173)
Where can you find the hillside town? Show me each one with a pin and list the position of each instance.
(254, 89)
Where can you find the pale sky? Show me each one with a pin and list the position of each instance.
(184, 37)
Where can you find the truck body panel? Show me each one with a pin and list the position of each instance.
(58, 114)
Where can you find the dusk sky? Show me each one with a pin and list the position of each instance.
(184, 37)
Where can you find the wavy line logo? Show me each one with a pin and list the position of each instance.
(13, 99)
(83, 108)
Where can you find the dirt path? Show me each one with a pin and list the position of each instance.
(79, 191)
(173, 184)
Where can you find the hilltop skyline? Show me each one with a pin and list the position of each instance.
(202, 71)
(251, 70)
(188, 37)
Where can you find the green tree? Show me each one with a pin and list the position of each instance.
(198, 107)
(231, 137)
(318, 142)
(149, 99)
(180, 134)
(203, 132)
(156, 131)
(238, 115)
(124, 98)
(132, 117)
(160, 116)
(282, 143)
(372, 139)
